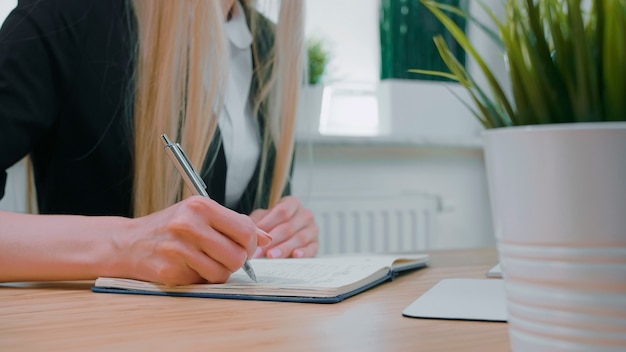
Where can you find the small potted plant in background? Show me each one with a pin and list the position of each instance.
(555, 152)
(312, 95)
(318, 56)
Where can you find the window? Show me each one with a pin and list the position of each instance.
(349, 29)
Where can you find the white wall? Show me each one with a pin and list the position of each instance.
(456, 174)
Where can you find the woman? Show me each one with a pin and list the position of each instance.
(88, 87)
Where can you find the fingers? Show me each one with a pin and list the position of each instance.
(279, 214)
(258, 214)
(263, 241)
(231, 224)
(292, 228)
(196, 240)
(303, 243)
(306, 252)
(181, 264)
(263, 238)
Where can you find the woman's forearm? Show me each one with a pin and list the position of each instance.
(59, 247)
(195, 240)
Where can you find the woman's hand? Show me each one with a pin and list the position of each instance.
(195, 240)
(292, 228)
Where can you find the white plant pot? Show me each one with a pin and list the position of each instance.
(558, 196)
(310, 111)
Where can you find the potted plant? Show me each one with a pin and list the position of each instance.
(318, 56)
(555, 152)
(312, 96)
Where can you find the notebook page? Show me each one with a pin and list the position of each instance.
(327, 273)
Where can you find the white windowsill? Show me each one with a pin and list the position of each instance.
(460, 142)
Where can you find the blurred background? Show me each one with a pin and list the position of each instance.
(388, 160)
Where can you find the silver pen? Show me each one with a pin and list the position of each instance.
(193, 180)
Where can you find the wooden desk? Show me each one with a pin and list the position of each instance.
(68, 316)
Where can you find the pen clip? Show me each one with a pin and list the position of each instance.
(184, 166)
(188, 162)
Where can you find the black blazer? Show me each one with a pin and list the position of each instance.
(65, 71)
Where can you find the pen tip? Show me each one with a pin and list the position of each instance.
(248, 269)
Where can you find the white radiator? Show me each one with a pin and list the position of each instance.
(374, 223)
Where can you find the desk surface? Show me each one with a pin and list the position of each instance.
(68, 316)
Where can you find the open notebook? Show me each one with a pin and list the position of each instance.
(316, 280)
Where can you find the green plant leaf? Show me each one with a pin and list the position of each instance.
(613, 59)
(318, 57)
(482, 26)
(435, 73)
(462, 39)
(566, 62)
(492, 116)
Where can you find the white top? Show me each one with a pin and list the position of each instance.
(238, 126)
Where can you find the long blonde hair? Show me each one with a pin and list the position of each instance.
(181, 47)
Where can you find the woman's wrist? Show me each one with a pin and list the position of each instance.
(117, 260)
